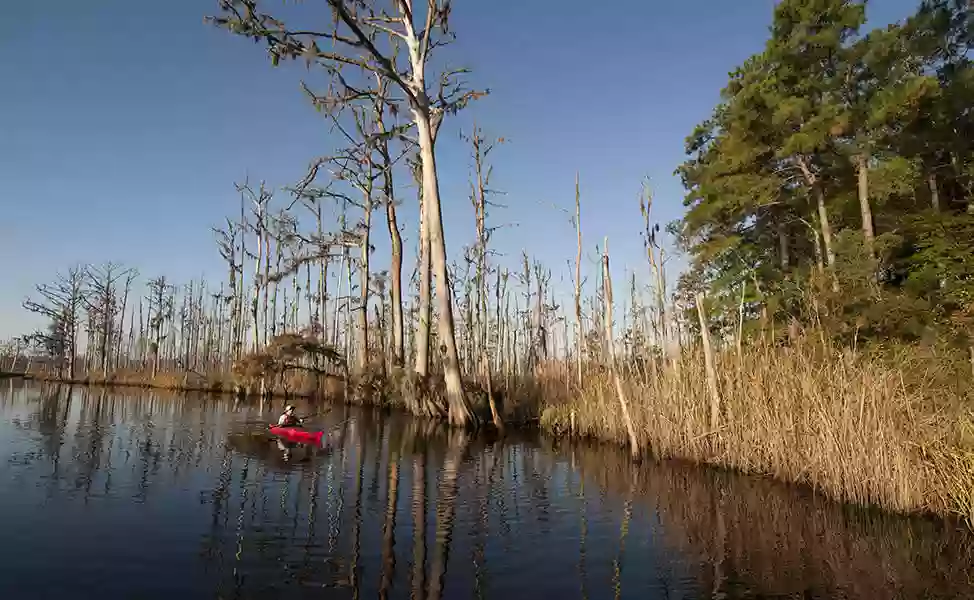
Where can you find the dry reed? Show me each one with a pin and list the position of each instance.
(845, 424)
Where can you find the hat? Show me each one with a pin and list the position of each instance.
(288, 407)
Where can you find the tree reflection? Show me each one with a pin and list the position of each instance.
(571, 521)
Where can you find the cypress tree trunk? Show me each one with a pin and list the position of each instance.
(267, 278)
(579, 327)
(460, 413)
(363, 313)
(279, 257)
(425, 290)
(395, 267)
(255, 303)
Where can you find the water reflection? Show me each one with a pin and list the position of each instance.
(148, 495)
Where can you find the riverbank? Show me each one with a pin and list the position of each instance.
(397, 388)
(895, 432)
(212, 383)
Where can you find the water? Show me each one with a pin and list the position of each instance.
(144, 495)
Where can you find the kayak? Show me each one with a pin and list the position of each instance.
(298, 434)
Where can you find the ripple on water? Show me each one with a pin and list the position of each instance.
(152, 495)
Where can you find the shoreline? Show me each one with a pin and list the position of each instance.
(554, 428)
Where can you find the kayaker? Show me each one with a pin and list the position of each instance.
(288, 419)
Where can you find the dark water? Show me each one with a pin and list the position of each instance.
(140, 495)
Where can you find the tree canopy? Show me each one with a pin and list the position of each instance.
(838, 165)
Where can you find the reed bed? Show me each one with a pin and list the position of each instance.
(846, 424)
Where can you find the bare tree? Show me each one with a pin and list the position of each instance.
(261, 200)
(656, 255)
(161, 307)
(479, 191)
(367, 37)
(579, 327)
(361, 164)
(227, 245)
(129, 278)
(103, 307)
(395, 238)
(62, 303)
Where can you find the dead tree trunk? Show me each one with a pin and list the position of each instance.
(395, 239)
(265, 284)
(708, 354)
(240, 292)
(352, 40)
(425, 288)
(482, 175)
(620, 391)
(657, 259)
(363, 309)
(125, 298)
(460, 413)
(579, 327)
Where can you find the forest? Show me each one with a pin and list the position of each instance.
(821, 334)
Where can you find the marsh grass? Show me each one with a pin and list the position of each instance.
(855, 427)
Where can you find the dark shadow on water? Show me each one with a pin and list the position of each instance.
(152, 495)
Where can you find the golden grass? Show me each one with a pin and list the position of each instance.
(849, 426)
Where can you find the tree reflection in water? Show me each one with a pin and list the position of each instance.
(399, 508)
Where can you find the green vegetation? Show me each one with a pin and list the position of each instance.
(839, 166)
(822, 333)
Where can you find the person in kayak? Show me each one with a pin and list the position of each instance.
(288, 419)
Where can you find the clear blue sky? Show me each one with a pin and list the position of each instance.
(124, 123)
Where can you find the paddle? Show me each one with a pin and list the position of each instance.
(312, 416)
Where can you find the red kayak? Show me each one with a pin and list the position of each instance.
(297, 434)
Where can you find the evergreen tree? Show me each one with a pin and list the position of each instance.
(835, 175)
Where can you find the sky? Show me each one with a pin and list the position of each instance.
(125, 123)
